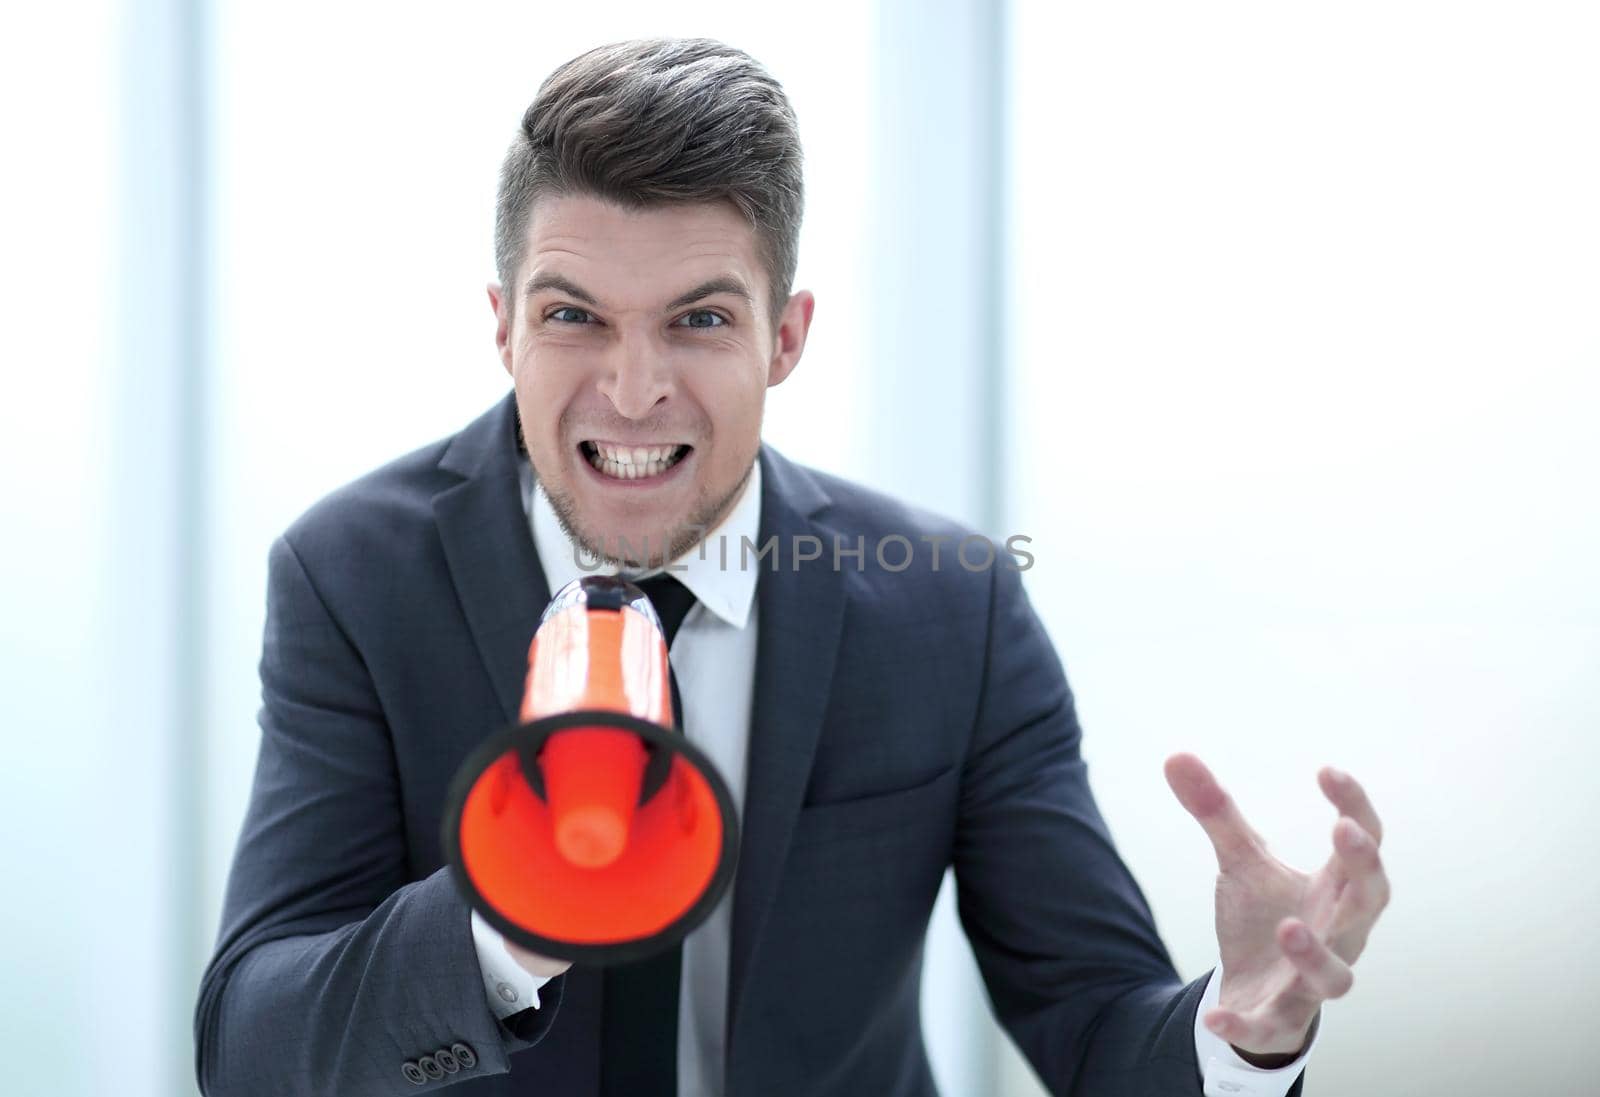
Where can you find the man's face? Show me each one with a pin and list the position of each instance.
(641, 349)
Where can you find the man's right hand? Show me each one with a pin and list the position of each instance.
(534, 964)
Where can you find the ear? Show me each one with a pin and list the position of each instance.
(502, 324)
(790, 339)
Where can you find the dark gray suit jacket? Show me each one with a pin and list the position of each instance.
(903, 722)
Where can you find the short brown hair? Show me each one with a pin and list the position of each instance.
(655, 122)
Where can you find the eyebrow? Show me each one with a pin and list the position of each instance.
(725, 283)
(546, 281)
(728, 284)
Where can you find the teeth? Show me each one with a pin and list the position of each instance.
(632, 462)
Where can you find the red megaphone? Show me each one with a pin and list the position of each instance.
(593, 831)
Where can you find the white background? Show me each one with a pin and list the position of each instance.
(1297, 313)
(1304, 413)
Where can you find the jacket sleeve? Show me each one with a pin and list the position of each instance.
(1063, 936)
(333, 970)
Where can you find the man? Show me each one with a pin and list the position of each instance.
(880, 717)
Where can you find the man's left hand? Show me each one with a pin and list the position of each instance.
(1287, 939)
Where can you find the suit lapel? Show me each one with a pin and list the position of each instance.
(800, 617)
(489, 549)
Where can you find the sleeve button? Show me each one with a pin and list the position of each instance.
(414, 1073)
(430, 1067)
(464, 1055)
(446, 1060)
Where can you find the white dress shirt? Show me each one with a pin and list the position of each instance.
(714, 658)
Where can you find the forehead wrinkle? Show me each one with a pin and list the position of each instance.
(603, 238)
(705, 243)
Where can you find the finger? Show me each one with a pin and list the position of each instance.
(1351, 799)
(1201, 796)
(1264, 1032)
(535, 964)
(1322, 974)
(1365, 893)
(1361, 865)
(1231, 1026)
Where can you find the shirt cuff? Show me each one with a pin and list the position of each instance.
(511, 987)
(1223, 1073)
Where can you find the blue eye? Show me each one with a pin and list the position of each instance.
(720, 322)
(556, 315)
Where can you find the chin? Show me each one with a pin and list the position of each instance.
(642, 525)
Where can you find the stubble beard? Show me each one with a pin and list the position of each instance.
(679, 540)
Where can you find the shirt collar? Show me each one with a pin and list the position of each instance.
(713, 570)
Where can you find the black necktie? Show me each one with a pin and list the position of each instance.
(639, 1001)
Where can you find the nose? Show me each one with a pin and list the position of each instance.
(637, 378)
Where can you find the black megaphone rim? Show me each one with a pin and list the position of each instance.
(532, 735)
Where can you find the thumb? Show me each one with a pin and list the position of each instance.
(1201, 796)
(534, 964)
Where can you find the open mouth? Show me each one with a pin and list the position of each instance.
(619, 462)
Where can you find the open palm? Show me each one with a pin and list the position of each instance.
(1287, 939)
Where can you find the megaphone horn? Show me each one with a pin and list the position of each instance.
(593, 831)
